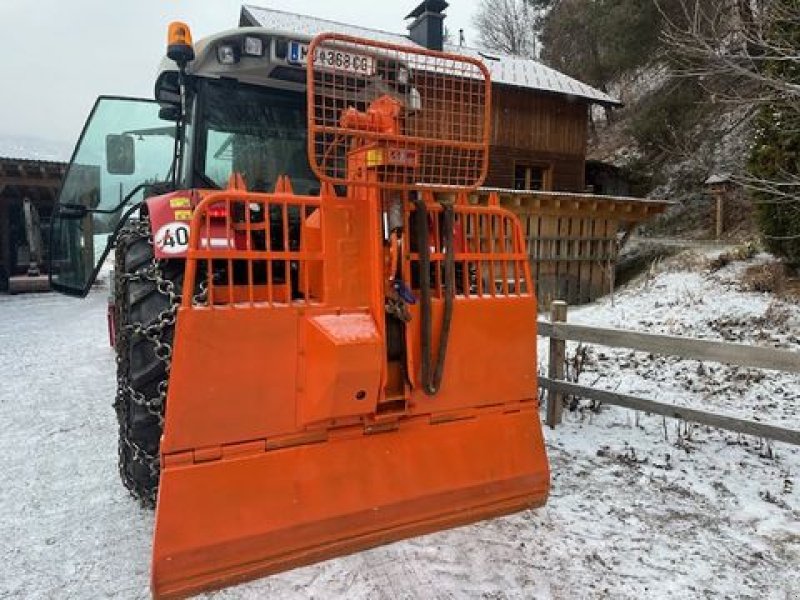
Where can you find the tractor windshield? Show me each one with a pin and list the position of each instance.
(257, 132)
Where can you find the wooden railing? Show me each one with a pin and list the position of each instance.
(736, 354)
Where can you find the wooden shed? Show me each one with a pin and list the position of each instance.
(538, 141)
(537, 162)
(20, 180)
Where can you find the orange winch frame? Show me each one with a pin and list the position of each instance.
(293, 432)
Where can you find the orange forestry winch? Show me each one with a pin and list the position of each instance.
(302, 375)
(368, 374)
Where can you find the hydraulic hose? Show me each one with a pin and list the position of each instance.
(432, 375)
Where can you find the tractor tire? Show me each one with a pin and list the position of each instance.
(147, 295)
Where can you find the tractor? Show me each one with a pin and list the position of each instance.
(322, 345)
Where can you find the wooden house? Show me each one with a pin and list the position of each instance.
(537, 161)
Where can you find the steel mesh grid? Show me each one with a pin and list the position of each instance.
(440, 136)
(257, 255)
(490, 257)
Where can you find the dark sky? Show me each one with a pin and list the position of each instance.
(57, 56)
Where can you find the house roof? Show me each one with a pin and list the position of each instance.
(31, 162)
(36, 179)
(507, 70)
(718, 178)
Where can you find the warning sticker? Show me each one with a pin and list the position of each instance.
(183, 215)
(172, 238)
(179, 203)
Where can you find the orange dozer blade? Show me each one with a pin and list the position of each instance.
(237, 518)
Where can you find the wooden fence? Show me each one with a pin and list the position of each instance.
(736, 354)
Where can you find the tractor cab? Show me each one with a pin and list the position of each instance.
(242, 111)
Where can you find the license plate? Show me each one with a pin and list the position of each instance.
(327, 58)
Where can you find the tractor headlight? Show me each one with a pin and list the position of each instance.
(227, 54)
(253, 46)
(402, 76)
(414, 101)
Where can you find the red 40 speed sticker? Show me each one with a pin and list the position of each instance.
(172, 238)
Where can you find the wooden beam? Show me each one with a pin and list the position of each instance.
(763, 430)
(595, 213)
(743, 355)
(5, 242)
(555, 366)
(50, 182)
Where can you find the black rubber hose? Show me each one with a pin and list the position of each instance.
(449, 293)
(431, 381)
(423, 248)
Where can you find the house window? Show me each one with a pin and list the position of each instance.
(530, 177)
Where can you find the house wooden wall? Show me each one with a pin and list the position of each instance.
(538, 128)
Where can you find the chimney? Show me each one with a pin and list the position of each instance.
(427, 29)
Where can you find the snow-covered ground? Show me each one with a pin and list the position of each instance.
(640, 508)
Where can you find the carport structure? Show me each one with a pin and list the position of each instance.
(21, 179)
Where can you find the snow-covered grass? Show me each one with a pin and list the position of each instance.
(637, 510)
(673, 509)
(702, 304)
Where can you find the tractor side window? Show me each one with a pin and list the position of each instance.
(124, 144)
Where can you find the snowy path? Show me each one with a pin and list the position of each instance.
(631, 515)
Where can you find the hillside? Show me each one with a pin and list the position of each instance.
(667, 140)
(700, 79)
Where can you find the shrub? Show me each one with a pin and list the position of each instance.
(743, 252)
(770, 278)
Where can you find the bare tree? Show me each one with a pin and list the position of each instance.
(507, 26)
(748, 52)
(733, 41)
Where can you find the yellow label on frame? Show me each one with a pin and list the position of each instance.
(375, 157)
(183, 215)
(179, 203)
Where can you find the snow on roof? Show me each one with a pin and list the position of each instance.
(34, 149)
(310, 26)
(718, 178)
(32, 161)
(527, 73)
(508, 70)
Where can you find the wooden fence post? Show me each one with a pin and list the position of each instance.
(555, 365)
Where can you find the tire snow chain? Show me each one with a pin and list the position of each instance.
(154, 333)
